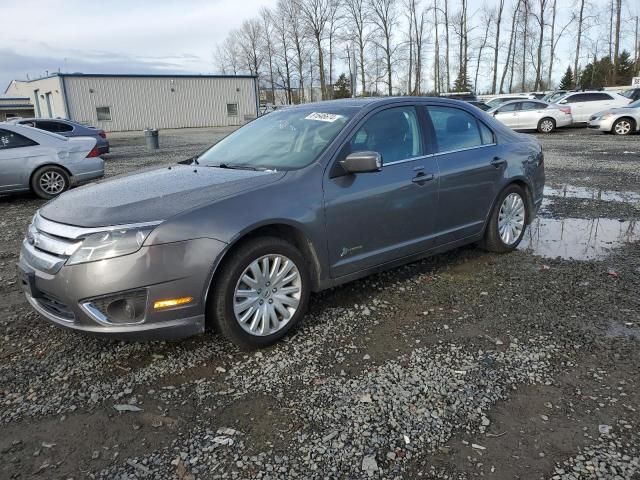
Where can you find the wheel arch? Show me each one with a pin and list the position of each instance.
(294, 234)
(632, 121)
(522, 183)
(40, 167)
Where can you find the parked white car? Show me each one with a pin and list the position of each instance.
(532, 115)
(44, 162)
(507, 97)
(620, 121)
(585, 104)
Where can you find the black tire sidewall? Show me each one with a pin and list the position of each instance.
(35, 181)
(224, 316)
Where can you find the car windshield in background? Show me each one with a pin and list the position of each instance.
(635, 104)
(283, 140)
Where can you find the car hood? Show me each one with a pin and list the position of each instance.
(151, 196)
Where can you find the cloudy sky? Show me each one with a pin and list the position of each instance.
(152, 36)
(115, 36)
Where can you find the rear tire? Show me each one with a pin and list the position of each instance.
(49, 181)
(546, 125)
(246, 306)
(507, 222)
(623, 126)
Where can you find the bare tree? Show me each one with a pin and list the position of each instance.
(335, 23)
(496, 48)
(419, 22)
(555, 39)
(228, 55)
(436, 59)
(539, 17)
(526, 10)
(267, 45)
(616, 44)
(511, 50)
(281, 26)
(250, 37)
(291, 11)
(384, 16)
(578, 40)
(487, 19)
(446, 39)
(315, 14)
(358, 16)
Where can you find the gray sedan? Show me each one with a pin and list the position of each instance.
(67, 128)
(297, 201)
(43, 162)
(619, 121)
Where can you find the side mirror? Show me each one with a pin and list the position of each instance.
(362, 162)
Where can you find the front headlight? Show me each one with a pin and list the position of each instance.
(109, 244)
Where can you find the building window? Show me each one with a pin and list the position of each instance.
(232, 109)
(104, 114)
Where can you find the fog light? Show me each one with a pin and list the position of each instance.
(172, 302)
(126, 307)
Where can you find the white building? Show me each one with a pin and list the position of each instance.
(12, 107)
(134, 102)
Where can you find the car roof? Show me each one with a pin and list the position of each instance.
(31, 132)
(375, 101)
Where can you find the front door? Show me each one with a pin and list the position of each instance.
(508, 115)
(374, 218)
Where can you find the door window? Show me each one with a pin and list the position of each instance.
(10, 139)
(512, 107)
(455, 129)
(581, 97)
(394, 133)
(533, 105)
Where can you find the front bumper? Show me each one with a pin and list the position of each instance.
(598, 123)
(181, 269)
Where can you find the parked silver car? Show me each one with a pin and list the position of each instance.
(44, 162)
(297, 201)
(67, 128)
(619, 121)
(532, 115)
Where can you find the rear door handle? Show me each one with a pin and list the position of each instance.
(498, 162)
(421, 178)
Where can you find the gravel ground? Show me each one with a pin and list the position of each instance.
(463, 365)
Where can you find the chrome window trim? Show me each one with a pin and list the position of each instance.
(431, 155)
(73, 232)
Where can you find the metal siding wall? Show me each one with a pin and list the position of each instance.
(45, 85)
(139, 102)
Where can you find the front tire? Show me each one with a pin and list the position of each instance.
(261, 293)
(49, 181)
(507, 222)
(546, 125)
(622, 126)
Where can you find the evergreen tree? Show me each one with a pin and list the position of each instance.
(567, 79)
(342, 87)
(462, 83)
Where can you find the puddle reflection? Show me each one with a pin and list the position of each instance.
(572, 191)
(579, 239)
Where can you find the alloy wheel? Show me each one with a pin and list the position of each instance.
(546, 126)
(511, 218)
(52, 182)
(623, 127)
(267, 295)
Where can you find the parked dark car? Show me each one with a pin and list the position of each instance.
(68, 128)
(294, 202)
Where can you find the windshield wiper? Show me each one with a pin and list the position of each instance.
(236, 167)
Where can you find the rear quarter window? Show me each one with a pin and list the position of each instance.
(455, 129)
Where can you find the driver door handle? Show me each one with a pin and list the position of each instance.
(421, 178)
(498, 162)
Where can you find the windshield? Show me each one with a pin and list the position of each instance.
(282, 140)
(635, 104)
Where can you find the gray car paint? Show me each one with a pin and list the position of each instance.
(347, 226)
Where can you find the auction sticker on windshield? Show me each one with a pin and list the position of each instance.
(323, 117)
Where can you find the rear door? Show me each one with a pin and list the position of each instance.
(377, 217)
(508, 115)
(470, 166)
(15, 151)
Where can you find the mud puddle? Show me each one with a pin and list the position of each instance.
(578, 239)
